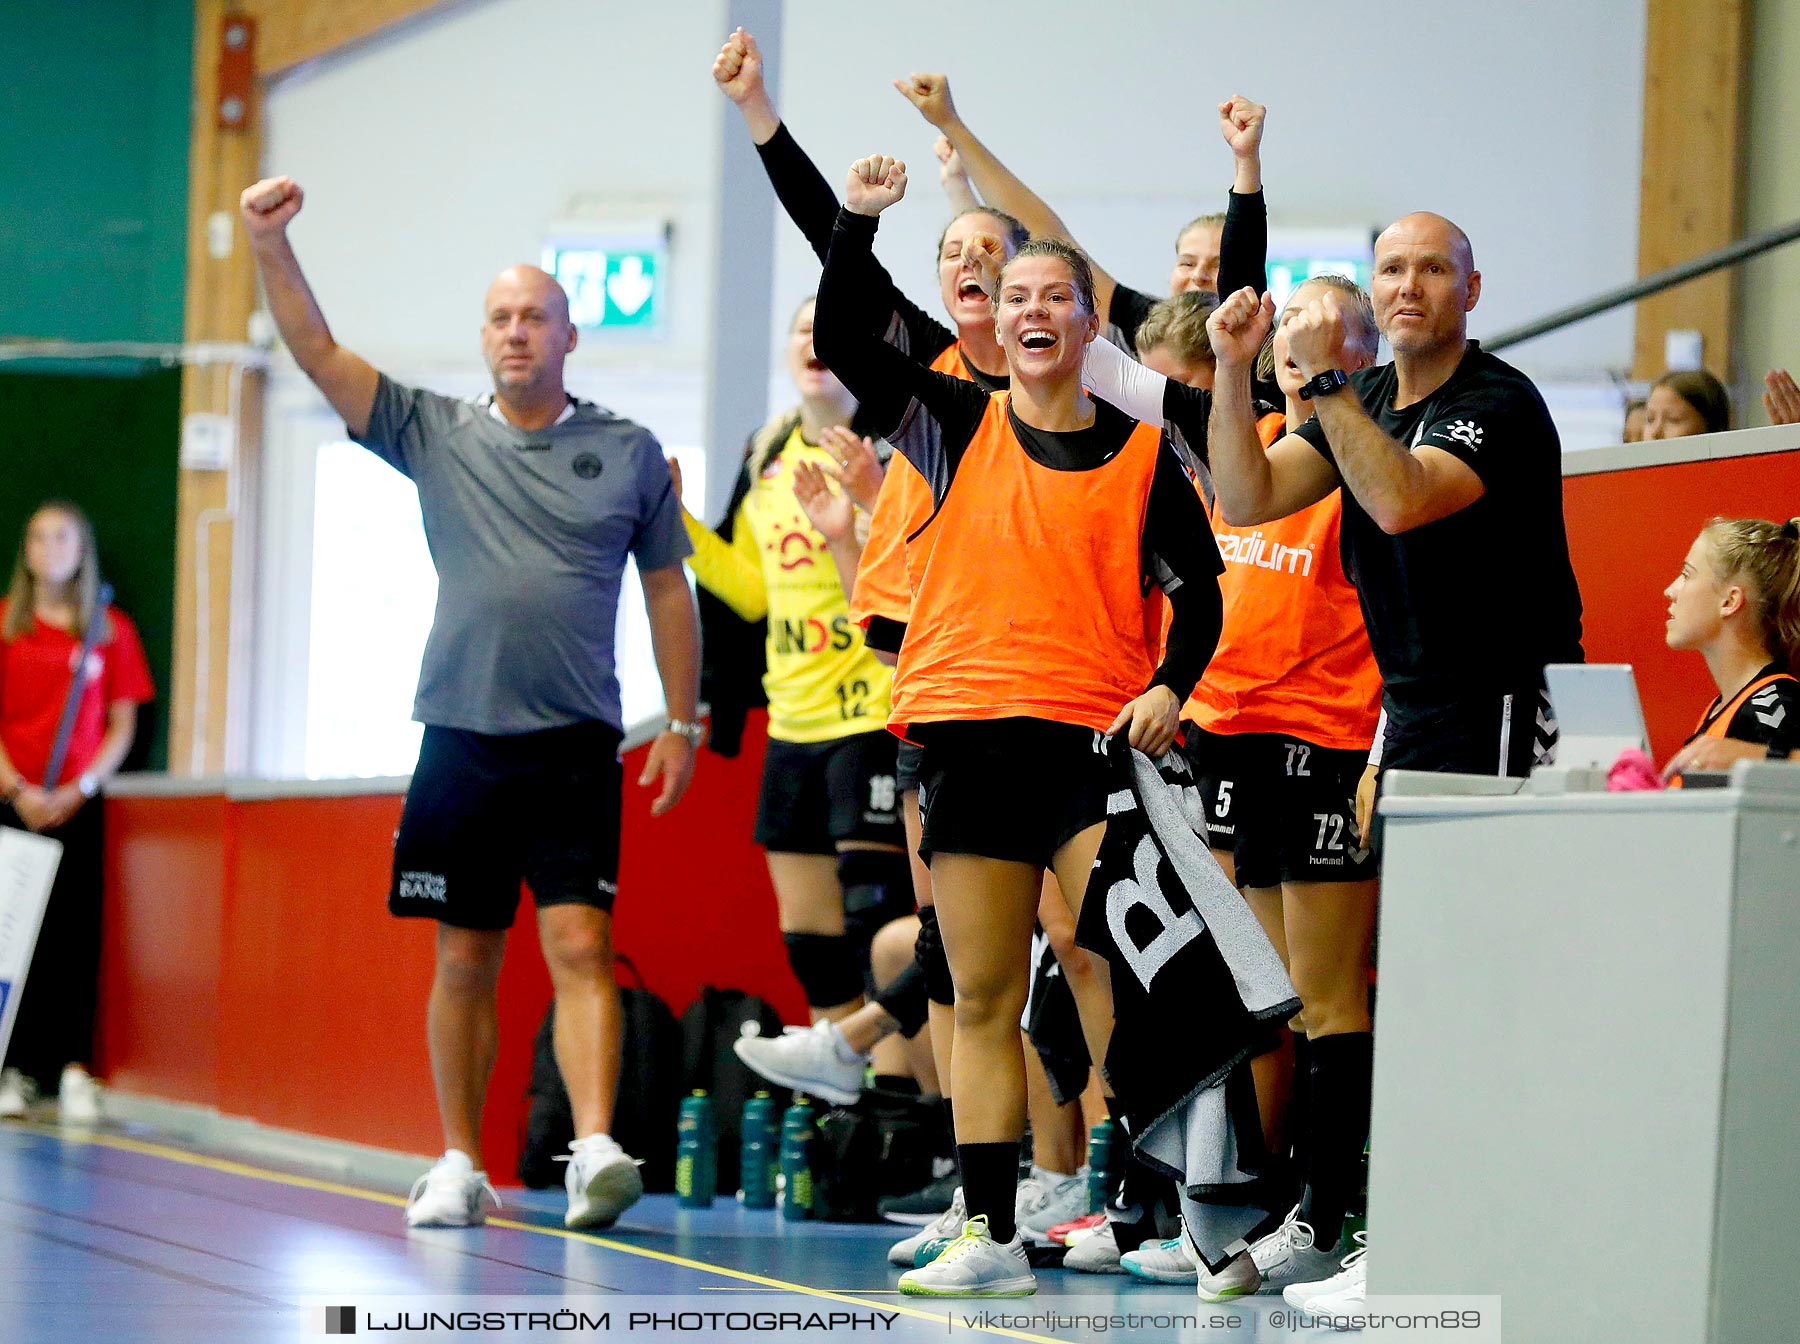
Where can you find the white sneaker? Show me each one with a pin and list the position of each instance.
(1290, 1255)
(78, 1097)
(974, 1265)
(1047, 1198)
(16, 1094)
(450, 1194)
(602, 1182)
(816, 1060)
(1344, 1291)
(1097, 1252)
(1171, 1261)
(1238, 1278)
(940, 1230)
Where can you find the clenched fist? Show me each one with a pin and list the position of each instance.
(269, 205)
(738, 68)
(874, 184)
(1316, 335)
(1241, 123)
(1239, 326)
(931, 95)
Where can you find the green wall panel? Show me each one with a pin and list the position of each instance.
(112, 445)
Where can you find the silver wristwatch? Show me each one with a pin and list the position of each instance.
(694, 732)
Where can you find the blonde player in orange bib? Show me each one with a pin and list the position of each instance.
(1736, 602)
(1027, 643)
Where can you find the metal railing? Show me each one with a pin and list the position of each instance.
(1706, 263)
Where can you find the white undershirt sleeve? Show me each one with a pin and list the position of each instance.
(1115, 377)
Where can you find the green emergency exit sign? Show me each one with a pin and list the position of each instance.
(610, 286)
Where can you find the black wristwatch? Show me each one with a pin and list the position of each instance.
(1324, 385)
(1777, 753)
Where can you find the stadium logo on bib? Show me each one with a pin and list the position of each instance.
(587, 466)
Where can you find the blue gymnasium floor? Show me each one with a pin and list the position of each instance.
(121, 1234)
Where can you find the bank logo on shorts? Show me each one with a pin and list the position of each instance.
(418, 886)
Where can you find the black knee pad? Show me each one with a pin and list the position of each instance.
(877, 887)
(903, 999)
(825, 965)
(928, 954)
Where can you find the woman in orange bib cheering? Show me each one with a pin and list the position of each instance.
(1030, 638)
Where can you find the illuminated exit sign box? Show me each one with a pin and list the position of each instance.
(616, 282)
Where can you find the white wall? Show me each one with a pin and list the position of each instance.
(1521, 121)
(436, 158)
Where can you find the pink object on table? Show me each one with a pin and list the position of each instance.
(1634, 771)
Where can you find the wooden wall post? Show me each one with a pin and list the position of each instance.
(1690, 197)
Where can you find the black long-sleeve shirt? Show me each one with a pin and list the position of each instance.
(813, 206)
(1243, 260)
(1178, 549)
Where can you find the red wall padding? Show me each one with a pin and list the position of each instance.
(249, 963)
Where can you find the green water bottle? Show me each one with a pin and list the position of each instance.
(1103, 1163)
(696, 1153)
(759, 1153)
(797, 1134)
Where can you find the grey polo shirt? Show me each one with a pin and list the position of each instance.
(529, 531)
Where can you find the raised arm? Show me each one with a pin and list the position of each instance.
(1253, 485)
(346, 378)
(886, 383)
(1400, 488)
(1244, 241)
(930, 94)
(958, 190)
(808, 199)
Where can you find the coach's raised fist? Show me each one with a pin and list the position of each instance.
(1239, 326)
(1241, 123)
(1315, 336)
(931, 95)
(269, 205)
(874, 184)
(738, 67)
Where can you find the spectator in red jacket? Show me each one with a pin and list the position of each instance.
(48, 609)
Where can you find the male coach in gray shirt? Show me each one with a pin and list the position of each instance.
(532, 500)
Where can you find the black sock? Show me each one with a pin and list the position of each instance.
(990, 1173)
(1299, 1137)
(897, 1082)
(1341, 1073)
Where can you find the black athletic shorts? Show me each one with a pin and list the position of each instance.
(906, 768)
(1486, 733)
(1015, 789)
(1284, 808)
(815, 794)
(484, 813)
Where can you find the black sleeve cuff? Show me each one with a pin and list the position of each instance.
(884, 634)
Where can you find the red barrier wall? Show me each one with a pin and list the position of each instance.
(249, 963)
(1628, 534)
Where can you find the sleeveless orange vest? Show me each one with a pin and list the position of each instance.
(1029, 601)
(1717, 723)
(1294, 656)
(901, 509)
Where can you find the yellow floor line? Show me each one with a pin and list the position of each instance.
(231, 1168)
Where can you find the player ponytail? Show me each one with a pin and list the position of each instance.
(1765, 557)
